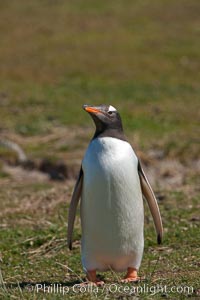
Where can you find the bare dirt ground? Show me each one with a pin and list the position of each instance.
(165, 173)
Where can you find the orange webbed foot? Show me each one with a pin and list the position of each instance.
(131, 276)
(93, 280)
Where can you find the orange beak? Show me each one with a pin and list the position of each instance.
(92, 110)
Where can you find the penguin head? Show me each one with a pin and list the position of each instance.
(107, 120)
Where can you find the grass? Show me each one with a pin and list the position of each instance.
(134, 59)
(142, 57)
(38, 254)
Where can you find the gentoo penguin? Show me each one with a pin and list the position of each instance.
(111, 185)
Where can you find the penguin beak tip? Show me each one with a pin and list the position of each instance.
(85, 106)
(90, 109)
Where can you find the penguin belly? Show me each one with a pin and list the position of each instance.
(112, 216)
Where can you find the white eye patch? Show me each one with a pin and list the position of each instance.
(111, 108)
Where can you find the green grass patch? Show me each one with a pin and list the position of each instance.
(36, 253)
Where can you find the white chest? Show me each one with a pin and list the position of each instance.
(111, 181)
(109, 156)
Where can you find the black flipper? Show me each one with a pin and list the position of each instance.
(152, 203)
(73, 206)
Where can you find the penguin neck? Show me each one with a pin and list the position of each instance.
(114, 130)
(110, 132)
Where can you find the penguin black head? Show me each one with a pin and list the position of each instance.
(107, 120)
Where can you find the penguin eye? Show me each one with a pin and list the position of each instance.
(110, 112)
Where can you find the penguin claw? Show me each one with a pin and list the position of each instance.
(130, 279)
(93, 283)
(99, 283)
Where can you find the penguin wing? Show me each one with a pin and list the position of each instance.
(152, 202)
(72, 208)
